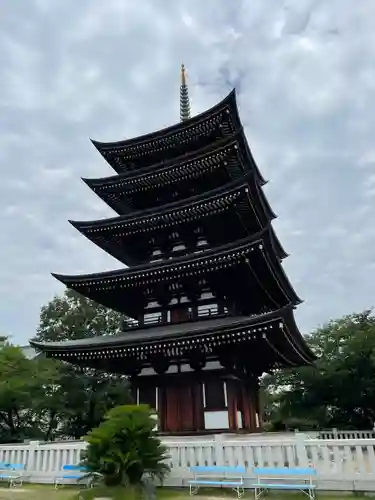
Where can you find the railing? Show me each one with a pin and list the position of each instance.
(152, 319)
(337, 434)
(342, 464)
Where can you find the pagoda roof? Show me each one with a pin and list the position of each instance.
(130, 154)
(126, 290)
(274, 334)
(128, 237)
(232, 153)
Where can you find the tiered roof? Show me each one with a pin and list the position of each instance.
(193, 173)
(193, 222)
(202, 130)
(255, 272)
(239, 206)
(262, 343)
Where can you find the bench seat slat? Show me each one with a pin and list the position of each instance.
(224, 483)
(71, 472)
(221, 476)
(285, 486)
(201, 469)
(284, 478)
(285, 471)
(13, 473)
(71, 477)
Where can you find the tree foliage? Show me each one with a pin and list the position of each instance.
(339, 391)
(45, 399)
(87, 394)
(73, 316)
(27, 405)
(125, 446)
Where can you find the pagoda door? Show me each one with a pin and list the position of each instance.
(178, 408)
(186, 408)
(179, 315)
(170, 416)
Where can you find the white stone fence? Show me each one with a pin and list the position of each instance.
(342, 464)
(337, 434)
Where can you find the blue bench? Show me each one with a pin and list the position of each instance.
(223, 477)
(285, 478)
(72, 472)
(13, 473)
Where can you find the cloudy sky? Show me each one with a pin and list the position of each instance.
(305, 75)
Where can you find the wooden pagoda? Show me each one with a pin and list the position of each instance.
(207, 306)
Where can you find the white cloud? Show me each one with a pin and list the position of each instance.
(108, 70)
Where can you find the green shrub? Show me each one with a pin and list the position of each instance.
(125, 446)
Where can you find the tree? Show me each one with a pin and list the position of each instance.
(340, 390)
(87, 394)
(25, 389)
(73, 316)
(125, 446)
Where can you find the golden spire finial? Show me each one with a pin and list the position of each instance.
(183, 74)
(184, 96)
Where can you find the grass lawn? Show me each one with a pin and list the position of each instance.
(36, 492)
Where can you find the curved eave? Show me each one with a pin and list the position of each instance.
(101, 286)
(298, 338)
(229, 100)
(100, 231)
(171, 263)
(275, 330)
(276, 268)
(277, 246)
(237, 140)
(193, 156)
(265, 203)
(191, 203)
(249, 156)
(159, 332)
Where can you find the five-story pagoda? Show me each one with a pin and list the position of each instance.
(207, 306)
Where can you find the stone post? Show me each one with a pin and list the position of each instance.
(32, 457)
(219, 450)
(301, 450)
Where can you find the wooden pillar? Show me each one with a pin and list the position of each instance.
(220, 307)
(162, 405)
(246, 406)
(164, 316)
(232, 405)
(185, 406)
(198, 404)
(133, 389)
(194, 311)
(172, 421)
(253, 405)
(258, 404)
(141, 320)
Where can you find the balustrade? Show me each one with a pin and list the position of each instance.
(342, 464)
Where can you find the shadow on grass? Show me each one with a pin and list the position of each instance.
(204, 494)
(47, 492)
(37, 492)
